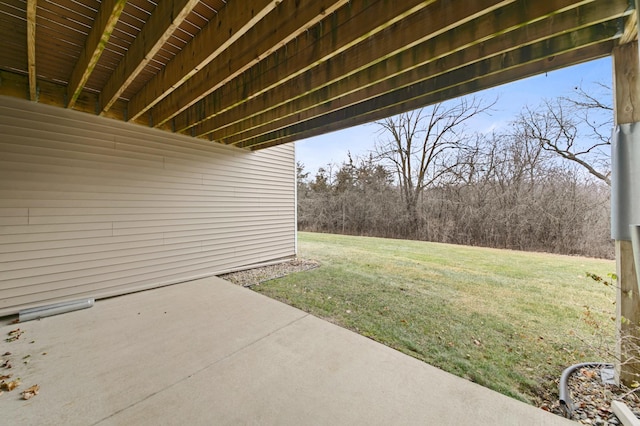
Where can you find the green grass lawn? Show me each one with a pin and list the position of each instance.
(508, 320)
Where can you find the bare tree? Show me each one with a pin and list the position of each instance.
(420, 147)
(577, 128)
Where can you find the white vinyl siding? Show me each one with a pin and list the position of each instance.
(93, 207)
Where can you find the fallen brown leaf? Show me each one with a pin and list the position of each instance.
(9, 386)
(6, 376)
(31, 392)
(589, 373)
(14, 335)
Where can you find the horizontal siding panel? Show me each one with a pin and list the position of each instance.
(39, 164)
(228, 226)
(225, 200)
(13, 212)
(212, 236)
(58, 258)
(14, 131)
(143, 281)
(43, 162)
(36, 229)
(42, 181)
(52, 253)
(112, 274)
(19, 145)
(13, 220)
(84, 262)
(92, 207)
(49, 273)
(6, 240)
(149, 213)
(74, 125)
(78, 242)
(212, 218)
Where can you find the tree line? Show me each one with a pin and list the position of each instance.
(540, 184)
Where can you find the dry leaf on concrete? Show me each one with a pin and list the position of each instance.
(9, 386)
(31, 392)
(14, 335)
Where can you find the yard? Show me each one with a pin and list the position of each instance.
(508, 320)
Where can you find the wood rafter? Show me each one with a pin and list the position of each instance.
(527, 70)
(97, 39)
(31, 47)
(632, 26)
(289, 20)
(160, 26)
(323, 42)
(359, 68)
(431, 90)
(448, 51)
(228, 26)
(265, 72)
(292, 64)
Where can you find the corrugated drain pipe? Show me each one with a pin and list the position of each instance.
(566, 405)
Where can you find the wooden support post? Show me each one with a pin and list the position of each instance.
(31, 47)
(627, 307)
(626, 72)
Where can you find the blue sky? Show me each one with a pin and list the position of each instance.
(512, 98)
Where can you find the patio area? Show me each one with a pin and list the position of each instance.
(209, 352)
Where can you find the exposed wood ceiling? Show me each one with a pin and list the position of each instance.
(265, 72)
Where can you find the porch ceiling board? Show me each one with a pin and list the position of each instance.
(159, 28)
(342, 119)
(258, 40)
(317, 46)
(230, 24)
(359, 72)
(97, 39)
(427, 62)
(262, 73)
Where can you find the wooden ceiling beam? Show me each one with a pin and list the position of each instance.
(477, 32)
(322, 42)
(552, 63)
(448, 51)
(632, 26)
(32, 6)
(96, 41)
(290, 19)
(162, 23)
(55, 94)
(501, 66)
(230, 24)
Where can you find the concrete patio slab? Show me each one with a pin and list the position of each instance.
(209, 352)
